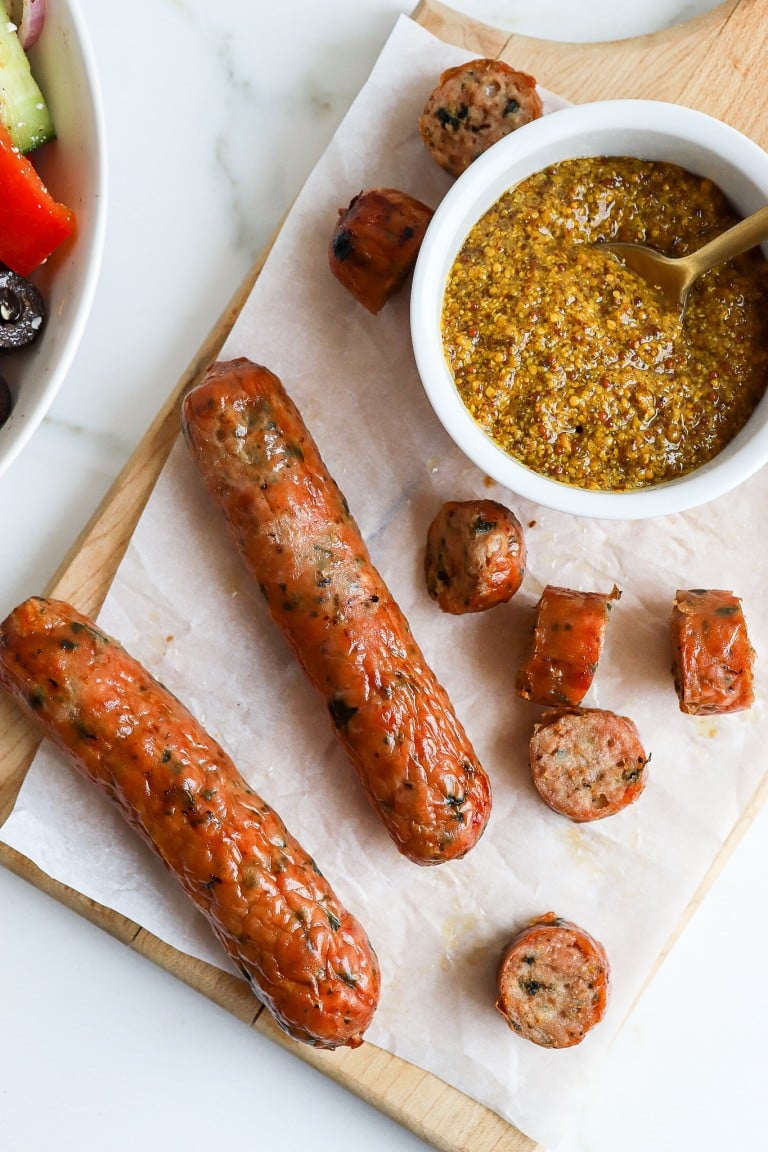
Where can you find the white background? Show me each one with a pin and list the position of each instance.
(215, 114)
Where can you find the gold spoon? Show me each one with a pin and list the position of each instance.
(673, 277)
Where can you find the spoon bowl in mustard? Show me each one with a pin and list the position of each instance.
(673, 277)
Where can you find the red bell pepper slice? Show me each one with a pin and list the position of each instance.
(32, 223)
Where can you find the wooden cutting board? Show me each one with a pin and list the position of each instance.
(712, 63)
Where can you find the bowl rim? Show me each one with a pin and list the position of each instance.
(96, 243)
(670, 127)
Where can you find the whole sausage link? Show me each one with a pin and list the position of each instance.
(306, 957)
(473, 106)
(295, 533)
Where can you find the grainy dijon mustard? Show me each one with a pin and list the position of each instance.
(569, 361)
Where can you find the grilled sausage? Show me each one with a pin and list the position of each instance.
(713, 659)
(565, 647)
(293, 529)
(305, 956)
(587, 763)
(475, 557)
(472, 107)
(375, 244)
(553, 983)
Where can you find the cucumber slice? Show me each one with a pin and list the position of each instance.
(23, 110)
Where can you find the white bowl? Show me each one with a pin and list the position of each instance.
(648, 129)
(74, 168)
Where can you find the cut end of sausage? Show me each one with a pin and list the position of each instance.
(553, 983)
(475, 556)
(587, 763)
(473, 106)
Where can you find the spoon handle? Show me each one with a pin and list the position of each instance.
(743, 236)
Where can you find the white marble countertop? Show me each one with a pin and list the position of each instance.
(215, 114)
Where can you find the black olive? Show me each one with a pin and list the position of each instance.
(21, 311)
(5, 401)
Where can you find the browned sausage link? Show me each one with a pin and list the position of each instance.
(475, 556)
(375, 244)
(587, 763)
(305, 955)
(553, 983)
(473, 106)
(712, 656)
(295, 533)
(565, 647)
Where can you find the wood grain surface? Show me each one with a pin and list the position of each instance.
(712, 63)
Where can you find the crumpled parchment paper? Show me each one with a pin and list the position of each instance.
(182, 604)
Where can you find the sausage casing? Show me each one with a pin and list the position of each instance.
(567, 640)
(375, 243)
(713, 659)
(277, 917)
(293, 529)
(475, 556)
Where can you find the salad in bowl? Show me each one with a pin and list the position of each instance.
(52, 206)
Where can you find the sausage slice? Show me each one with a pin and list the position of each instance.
(553, 983)
(375, 243)
(713, 660)
(473, 106)
(475, 557)
(587, 763)
(565, 647)
(297, 537)
(272, 910)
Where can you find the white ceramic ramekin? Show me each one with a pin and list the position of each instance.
(651, 130)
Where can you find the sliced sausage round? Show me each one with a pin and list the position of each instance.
(553, 983)
(472, 107)
(375, 244)
(475, 557)
(566, 644)
(713, 659)
(587, 763)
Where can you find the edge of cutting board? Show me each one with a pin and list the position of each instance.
(711, 63)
